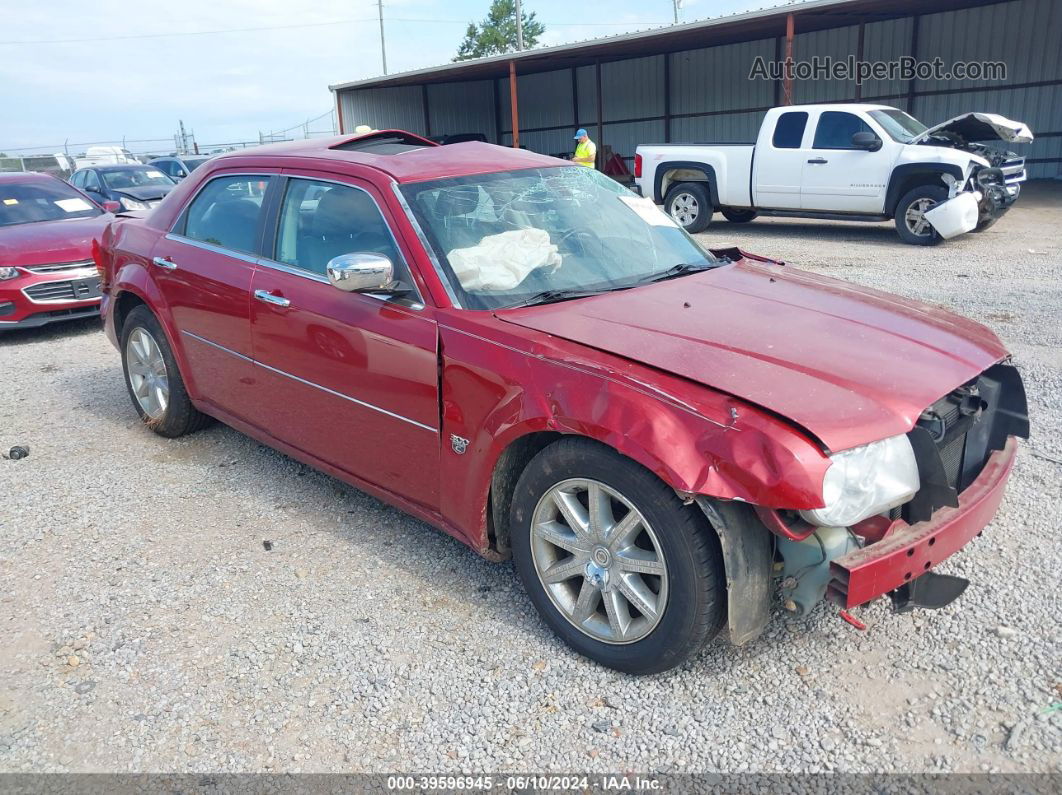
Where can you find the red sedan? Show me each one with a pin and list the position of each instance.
(46, 268)
(521, 352)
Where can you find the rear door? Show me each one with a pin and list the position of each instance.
(349, 378)
(779, 162)
(203, 268)
(837, 176)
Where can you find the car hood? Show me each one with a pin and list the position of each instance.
(848, 364)
(47, 242)
(145, 192)
(980, 127)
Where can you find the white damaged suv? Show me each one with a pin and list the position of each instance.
(846, 162)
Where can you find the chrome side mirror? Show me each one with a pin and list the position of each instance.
(362, 272)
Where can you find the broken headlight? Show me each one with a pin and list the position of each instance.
(865, 481)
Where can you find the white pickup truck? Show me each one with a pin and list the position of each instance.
(845, 162)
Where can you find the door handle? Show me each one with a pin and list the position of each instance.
(818, 161)
(165, 263)
(267, 297)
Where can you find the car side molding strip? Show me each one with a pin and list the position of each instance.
(310, 383)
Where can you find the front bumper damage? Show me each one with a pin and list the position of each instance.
(986, 196)
(906, 552)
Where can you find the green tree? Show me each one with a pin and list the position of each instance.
(497, 33)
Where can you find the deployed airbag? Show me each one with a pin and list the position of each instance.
(502, 261)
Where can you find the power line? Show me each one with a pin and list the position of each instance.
(304, 25)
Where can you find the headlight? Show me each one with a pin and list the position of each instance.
(133, 204)
(8, 273)
(865, 481)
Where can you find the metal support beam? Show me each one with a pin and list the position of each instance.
(339, 113)
(575, 98)
(513, 106)
(859, 58)
(497, 112)
(667, 95)
(600, 114)
(914, 54)
(787, 87)
(427, 115)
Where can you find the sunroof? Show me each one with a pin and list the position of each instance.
(384, 143)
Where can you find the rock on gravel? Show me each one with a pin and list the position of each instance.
(233, 610)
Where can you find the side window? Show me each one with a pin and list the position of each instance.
(92, 181)
(321, 220)
(789, 131)
(836, 129)
(78, 180)
(225, 213)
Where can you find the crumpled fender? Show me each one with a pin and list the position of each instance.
(698, 441)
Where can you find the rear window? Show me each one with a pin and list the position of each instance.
(32, 202)
(226, 212)
(789, 131)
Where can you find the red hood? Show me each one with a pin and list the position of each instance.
(849, 364)
(43, 243)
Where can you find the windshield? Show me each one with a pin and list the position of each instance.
(30, 202)
(134, 178)
(505, 238)
(901, 127)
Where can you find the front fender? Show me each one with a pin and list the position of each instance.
(698, 441)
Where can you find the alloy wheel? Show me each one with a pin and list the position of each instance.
(599, 561)
(685, 208)
(915, 217)
(147, 373)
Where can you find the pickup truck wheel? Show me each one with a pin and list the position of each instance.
(614, 562)
(153, 380)
(911, 223)
(739, 216)
(690, 205)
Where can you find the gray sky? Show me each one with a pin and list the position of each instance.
(121, 73)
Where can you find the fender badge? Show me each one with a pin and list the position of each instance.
(458, 444)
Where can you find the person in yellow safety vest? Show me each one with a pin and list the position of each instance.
(585, 150)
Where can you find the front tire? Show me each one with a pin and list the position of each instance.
(153, 380)
(911, 223)
(614, 562)
(689, 204)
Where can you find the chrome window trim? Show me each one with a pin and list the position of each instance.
(226, 252)
(426, 245)
(288, 176)
(354, 400)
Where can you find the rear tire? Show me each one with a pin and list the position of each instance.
(739, 216)
(912, 227)
(153, 380)
(638, 586)
(690, 205)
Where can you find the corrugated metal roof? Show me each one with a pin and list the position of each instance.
(812, 15)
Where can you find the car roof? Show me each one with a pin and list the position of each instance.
(415, 164)
(114, 166)
(27, 176)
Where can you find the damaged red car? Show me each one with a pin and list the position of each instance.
(666, 439)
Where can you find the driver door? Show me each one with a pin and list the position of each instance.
(349, 378)
(838, 177)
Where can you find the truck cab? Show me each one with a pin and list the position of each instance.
(849, 162)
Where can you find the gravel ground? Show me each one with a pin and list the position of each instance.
(145, 627)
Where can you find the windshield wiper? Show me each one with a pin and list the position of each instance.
(684, 268)
(553, 296)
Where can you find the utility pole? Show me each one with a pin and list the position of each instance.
(519, 27)
(383, 49)
(676, 4)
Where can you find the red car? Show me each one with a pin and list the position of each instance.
(46, 267)
(526, 355)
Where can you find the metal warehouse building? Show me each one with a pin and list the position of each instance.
(690, 82)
